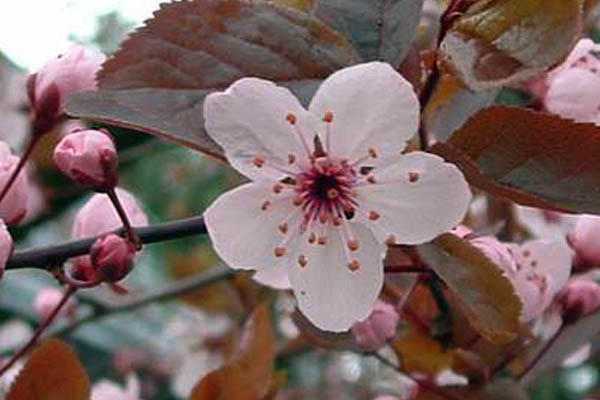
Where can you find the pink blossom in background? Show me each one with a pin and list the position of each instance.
(98, 216)
(379, 327)
(112, 257)
(89, 157)
(46, 301)
(109, 390)
(330, 186)
(571, 90)
(584, 240)
(6, 247)
(579, 298)
(71, 72)
(13, 207)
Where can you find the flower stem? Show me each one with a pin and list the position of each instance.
(129, 231)
(28, 151)
(541, 354)
(39, 331)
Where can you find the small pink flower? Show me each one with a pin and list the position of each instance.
(573, 87)
(71, 72)
(578, 299)
(6, 247)
(584, 241)
(46, 301)
(89, 157)
(13, 207)
(98, 216)
(379, 327)
(330, 186)
(112, 257)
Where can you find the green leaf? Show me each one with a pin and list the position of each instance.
(531, 158)
(500, 42)
(158, 80)
(487, 297)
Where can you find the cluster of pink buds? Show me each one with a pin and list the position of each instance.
(578, 299)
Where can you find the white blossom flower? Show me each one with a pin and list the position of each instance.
(331, 187)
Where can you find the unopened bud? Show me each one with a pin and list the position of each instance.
(13, 207)
(379, 327)
(6, 247)
(89, 157)
(49, 88)
(112, 257)
(584, 241)
(578, 299)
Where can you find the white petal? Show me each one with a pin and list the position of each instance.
(331, 295)
(249, 120)
(418, 211)
(373, 106)
(275, 276)
(244, 235)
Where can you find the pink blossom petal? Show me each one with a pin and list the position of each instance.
(331, 295)
(417, 198)
(275, 276)
(14, 206)
(250, 119)
(243, 234)
(372, 105)
(574, 94)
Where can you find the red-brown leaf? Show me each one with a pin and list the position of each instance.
(52, 372)
(531, 158)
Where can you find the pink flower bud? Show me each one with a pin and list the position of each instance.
(46, 301)
(584, 241)
(6, 247)
(379, 327)
(13, 207)
(578, 299)
(98, 216)
(89, 157)
(112, 257)
(72, 72)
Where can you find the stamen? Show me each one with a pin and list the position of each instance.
(277, 188)
(266, 205)
(302, 260)
(390, 240)
(283, 228)
(298, 200)
(322, 240)
(354, 265)
(291, 158)
(413, 177)
(312, 238)
(332, 194)
(372, 152)
(336, 221)
(371, 179)
(373, 215)
(279, 251)
(292, 119)
(328, 119)
(259, 161)
(353, 245)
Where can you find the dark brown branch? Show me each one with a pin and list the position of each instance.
(51, 256)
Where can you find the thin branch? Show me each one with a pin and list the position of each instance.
(39, 331)
(547, 346)
(47, 257)
(103, 308)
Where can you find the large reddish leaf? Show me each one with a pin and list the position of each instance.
(157, 82)
(52, 372)
(529, 157)
(378, 29)
(499, 42)
(487, 297)
(248, 375)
